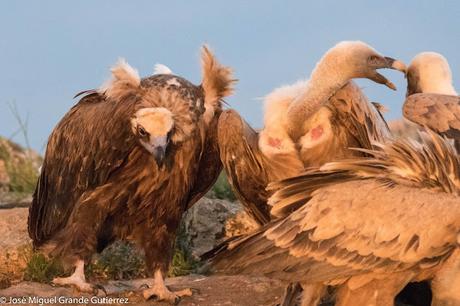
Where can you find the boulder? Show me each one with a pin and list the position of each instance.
(15, 245)
(4, 177)
(210, 221)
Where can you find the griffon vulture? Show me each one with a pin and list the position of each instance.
(371, 225)
(125, 163)
(306, 124)
(431, 98)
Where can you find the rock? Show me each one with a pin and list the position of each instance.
(240, 224)
(210, 221)
(208, 291)
(4, 177)
(15, 245)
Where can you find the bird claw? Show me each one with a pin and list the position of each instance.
(162, 293)
(98, 287)
(144, 286)
(79, 283)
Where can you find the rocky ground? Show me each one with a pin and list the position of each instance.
(212, 290)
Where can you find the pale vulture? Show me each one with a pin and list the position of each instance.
(306, 124)
(370, 224)
(432, 100)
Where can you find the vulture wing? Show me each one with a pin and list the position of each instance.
(210, 165)
(360, 121)
(359, 216)
(440, 113)
(88, 163)
(339, 233)
(245, 165)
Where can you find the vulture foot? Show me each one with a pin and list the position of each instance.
(79, 283)
(160, 292)
(78, 280)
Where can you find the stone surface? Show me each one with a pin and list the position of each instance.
(14, 243)
(208, 291)
(4, 177)
(210, 221)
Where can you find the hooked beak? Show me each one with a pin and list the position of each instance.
(158, 148)
(159, 155)
(389, 63)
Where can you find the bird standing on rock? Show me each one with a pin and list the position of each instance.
(125, 163)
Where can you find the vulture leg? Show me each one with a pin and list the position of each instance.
(312, 294)
(77, 279)
(159, 290)
(375, 293)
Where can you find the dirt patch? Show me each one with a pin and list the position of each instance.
(208, 291)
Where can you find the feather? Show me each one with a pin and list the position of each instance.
(125, 81)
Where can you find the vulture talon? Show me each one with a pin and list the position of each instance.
(98, 288)
(144, 286)
(77, 279)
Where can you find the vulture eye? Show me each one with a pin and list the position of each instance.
(142, 132)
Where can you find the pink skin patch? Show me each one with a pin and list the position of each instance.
(274, 142)
(316, 132)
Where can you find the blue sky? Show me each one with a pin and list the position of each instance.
(50, 50)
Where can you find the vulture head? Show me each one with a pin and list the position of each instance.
(429, 72)
(355, 59)
(153, 127)
(168, 108)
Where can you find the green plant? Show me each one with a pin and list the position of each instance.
(222, 189)
(21, 168)
(41, 269)
(120, 260)
(182, 262)
(22, 172)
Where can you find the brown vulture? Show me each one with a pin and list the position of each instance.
(125, 163)
(371, 225)
(306, 124)
(431, 98)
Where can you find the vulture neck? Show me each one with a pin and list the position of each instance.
(444, 88)
(324, 82)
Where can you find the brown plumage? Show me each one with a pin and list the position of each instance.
(431, 98)
(371, 224)
(125, 163)
(306, 124)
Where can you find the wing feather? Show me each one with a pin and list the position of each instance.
(245, 165)
(438, 112)
(210, 165)
(361, 121)
(98, 137)
(374, 232)
(359, 216)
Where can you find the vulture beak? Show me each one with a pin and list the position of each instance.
(159, 155)
(389, 63)
(158, 150)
